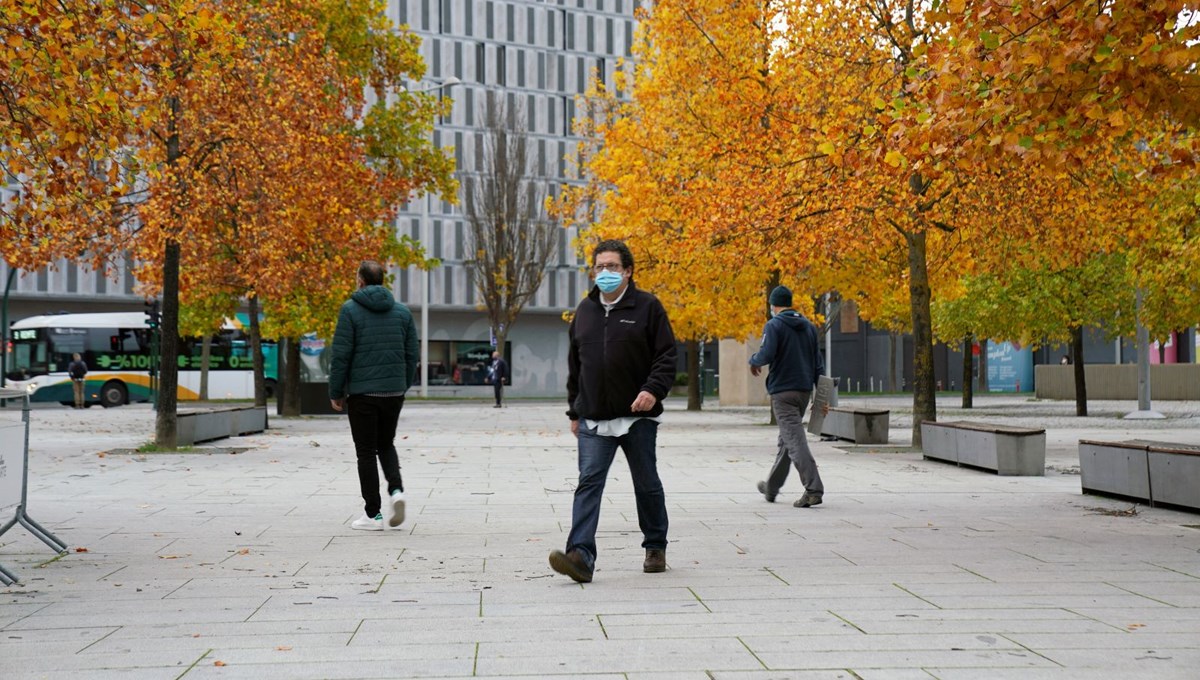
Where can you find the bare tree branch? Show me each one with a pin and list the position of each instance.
(512, 237)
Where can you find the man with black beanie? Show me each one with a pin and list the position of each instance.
(790, 348)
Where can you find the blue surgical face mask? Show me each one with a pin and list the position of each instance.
(608, 281)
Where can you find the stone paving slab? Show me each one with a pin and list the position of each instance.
(243, 565)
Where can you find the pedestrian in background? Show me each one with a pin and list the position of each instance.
(496, 375)
(790, 348)
(78, 371)
(374, 361)
(620, 366)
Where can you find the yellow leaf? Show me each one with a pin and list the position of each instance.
(894, 158)
(826, 148)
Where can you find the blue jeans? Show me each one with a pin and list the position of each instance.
(596, 454)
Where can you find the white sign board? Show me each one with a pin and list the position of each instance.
(824, 395)
(12, 463)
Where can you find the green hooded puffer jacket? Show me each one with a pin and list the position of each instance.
(375, 346)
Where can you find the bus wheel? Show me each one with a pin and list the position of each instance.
(271, 387)
(113, 394)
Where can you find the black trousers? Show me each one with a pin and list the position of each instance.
(498, 389)
(373, 427)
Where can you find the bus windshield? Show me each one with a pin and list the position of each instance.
(30, 355)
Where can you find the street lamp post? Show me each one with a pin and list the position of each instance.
(447, 83)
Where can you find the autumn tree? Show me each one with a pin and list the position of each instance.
(811, 135)
(511, 235)
(134, 125)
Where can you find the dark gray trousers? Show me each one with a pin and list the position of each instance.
(793, 444)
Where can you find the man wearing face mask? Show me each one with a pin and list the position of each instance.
(621, 364)
(790, 348)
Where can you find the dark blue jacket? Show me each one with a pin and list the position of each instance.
(375, 346)
(791, 349)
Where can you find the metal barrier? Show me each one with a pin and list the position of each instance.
(14, 480)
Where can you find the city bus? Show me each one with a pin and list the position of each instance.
(117, 348)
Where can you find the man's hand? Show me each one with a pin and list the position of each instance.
(644, 402)
(575, 427)
(825, 409)
(755, 371)
(337, 403)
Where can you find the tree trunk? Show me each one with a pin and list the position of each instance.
(983, 379)
(166, 422)
(968, 394)
(693, 371)
(205, 358)
(924, 395)
(893, 379)
(291, 383)
(1080, 379)
(256, 355)
(166, 433)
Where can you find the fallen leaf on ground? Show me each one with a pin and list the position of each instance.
(283, 648)
(218, 663)
(81, 550)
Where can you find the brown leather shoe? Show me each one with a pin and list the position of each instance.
(571, 564)
(656, 561)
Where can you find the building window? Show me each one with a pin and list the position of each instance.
(480, 63)
(520, 68)
(501, 65)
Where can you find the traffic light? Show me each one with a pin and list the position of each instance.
(152, 316)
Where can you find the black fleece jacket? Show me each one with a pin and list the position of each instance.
(617, 354)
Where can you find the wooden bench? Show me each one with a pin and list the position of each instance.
(1159, 473)
(859, 425)
(999, 448)
(206, 424)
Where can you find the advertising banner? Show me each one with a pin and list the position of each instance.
(1009, 367)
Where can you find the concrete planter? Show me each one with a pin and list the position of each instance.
(203, 425)
(999, 449)
(1154, 472)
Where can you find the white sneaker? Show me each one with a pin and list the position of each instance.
(368, 523)
(396, 516)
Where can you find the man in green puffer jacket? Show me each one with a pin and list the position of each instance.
(374, 361)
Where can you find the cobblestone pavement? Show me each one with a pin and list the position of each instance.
(237, 560)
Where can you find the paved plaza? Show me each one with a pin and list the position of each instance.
(237, 560)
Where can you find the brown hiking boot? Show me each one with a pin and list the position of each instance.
(656, 561)
(571, 564)
(807, 501)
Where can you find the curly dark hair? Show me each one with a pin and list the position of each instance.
(614, 246)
